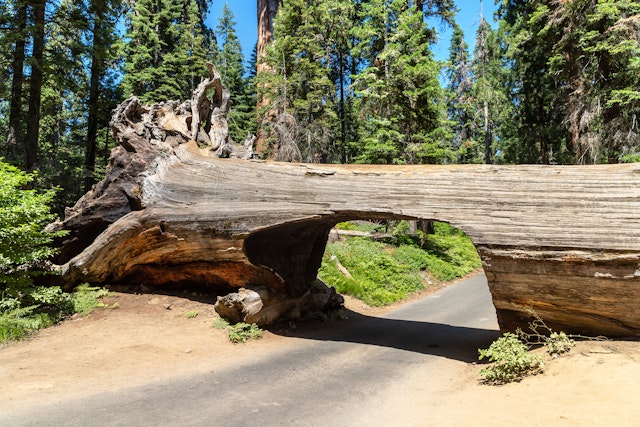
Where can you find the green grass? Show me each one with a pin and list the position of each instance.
(366, 226)
(220, 323)
(384, 273)
(243, 332)
(87, 298)
(46, 307)
(19, 323)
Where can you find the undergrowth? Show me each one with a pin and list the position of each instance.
(25, 245)
(511, 361)
(240, 332)
(40, 307)
(385, 272)
(243, 332)
(510, 353)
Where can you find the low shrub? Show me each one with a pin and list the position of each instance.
(511, 361)
(40, 307)
(87, 298)
(242, 332)
(220, 323)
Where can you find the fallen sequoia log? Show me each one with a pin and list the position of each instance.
(563, 241)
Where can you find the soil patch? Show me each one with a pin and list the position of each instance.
(151, 337)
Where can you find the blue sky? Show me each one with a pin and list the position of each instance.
(245, 12)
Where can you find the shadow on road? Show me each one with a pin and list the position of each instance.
(453, 342)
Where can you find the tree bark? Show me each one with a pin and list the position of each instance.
(97, 70)
(564, 241)
(17, 69)
(267, 10)
(487, 135)
(35, 86)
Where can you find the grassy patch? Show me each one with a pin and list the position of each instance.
(40, 307)
(243, 332)
(87, 298)
(191, 314)
(18, 323)
(383, 273)
(220, 323)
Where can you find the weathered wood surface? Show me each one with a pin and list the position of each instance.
(564, 241)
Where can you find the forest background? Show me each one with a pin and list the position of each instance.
(550, 81)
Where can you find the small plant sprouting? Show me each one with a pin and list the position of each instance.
(191, 314)
(242, 332)
(220, 323)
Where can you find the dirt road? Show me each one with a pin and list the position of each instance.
(401, 372)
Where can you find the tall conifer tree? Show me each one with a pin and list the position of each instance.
(460, 101)
(166, 49)
(402, 102)
(230, 64)
(300, 92)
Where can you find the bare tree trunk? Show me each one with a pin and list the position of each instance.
(15, 105)
(544, 140)
(97, 70)
(487, 135)
(35, 90)
(267, 10)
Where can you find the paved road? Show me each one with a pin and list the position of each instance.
(335, 377)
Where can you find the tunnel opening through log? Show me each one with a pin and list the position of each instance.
(407, 253)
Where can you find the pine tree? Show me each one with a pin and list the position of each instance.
(596, 52)
(537, 134)
(251, 92)
(103, 18)
(64, 92)
(166, 49)
(574, 79)
(340, 20)
(15, 37)
(193, 50)
(490, 97)
(402, 104)
(58, 137)
(461, 102)
(231, 67)
(300, 111)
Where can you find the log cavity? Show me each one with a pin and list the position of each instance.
(293, 250)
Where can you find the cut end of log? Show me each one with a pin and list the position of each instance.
(260, 306)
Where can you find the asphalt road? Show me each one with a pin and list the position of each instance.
(332, 377)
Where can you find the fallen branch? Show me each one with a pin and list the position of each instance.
(372, 236)
(341, 267)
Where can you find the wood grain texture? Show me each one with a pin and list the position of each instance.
(562, 240)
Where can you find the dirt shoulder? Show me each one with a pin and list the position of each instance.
(151, 334)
